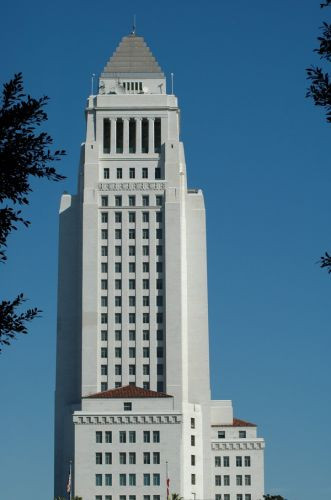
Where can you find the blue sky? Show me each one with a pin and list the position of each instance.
(259, 150)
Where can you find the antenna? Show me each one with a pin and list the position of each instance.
(92, 84)
(133, 32)
(172, 83)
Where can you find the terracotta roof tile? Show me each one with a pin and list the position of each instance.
(129, 391)
(236, 423)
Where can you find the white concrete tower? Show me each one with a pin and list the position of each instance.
(132, 390)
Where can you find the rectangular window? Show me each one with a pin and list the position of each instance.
(147, 436)
(132, 480)
(118, 234)
(226, 461)
(132, 284)
(132, 138)
(108, 458)
(145, 234)
(108, 436)
(159, 200)
(103, 386)
(159, 369)
(132, 352)
(132, 300)
(104, 267)
(122, 479)
(119, 135)
(132, 173)
(104, 251)
(145, 267)
(218, 480)
(122, 436)
(158, 216)
(106, 135)
(159, 334)
(108, 479)
(156, 479)
(159, 234)
(145, 284)
(145, 217)
(247, 461)
(98, 480)
(239, 496)
(159, 284)
(221, 434)
(145, 250)
(192, 478)
(145, 173)
(106, 173)
(145, 300)
(104, 301)
(118, 200)
(247, 480)
(132, 455)
(118, 300)
(218, 462)
(104, 369)
(192, 459)
(118, 318)
(157, 135)
(145, 352)
(118, 267)
(218, 497)
(132, 250)
(145, 318)
(132, 335)
(127, 406)
(226, 480)
(104, 201)
(239, 461)
(159, 250)
(145, 369)
(118, 370)
(118, 335)
(192, 440)
(104, 216)
(226, 496)
(145, 200)
(104, 352)
(159, 300)
(132, 234)
(147, 457)
(132, 217)
(104, 284)
(132, 318)
(147, 479)
(156, 457)
(118, 352)
(118, 217)
(192, 423)
(156, 436)
(248, 496)
(145, 385)
(242, 434)
(98, 437)
(132, 201)
(132, 434)
(132, 369)
(159, 317)
(157, 173)
(144, 135)
(122, 458)
(239, 480)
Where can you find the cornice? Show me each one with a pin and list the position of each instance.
(239, 445)
(126, 419)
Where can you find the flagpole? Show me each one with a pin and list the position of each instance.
(167, 481)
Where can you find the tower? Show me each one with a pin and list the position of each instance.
(133, 404)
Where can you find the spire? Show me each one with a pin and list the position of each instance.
(132, 57)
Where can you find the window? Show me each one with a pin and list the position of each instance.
(157, 173)
(145, 334)
(132, 138)
(159, 317)
(108, 479)
(118, 335)
(226, 480)
(118, 300)
(145, 369)
(104, 284)
(226, 496)
(156, 479)
(218, 497)
(159, 370)
(158, 200)
(145, 352)
(158, 216)
(108, 436)
(132, 334)
(104, 216)
(157, 136)
(98, 497)
(132, 284)
(108, 497)
(132, 318)
(159, 234)
(104, 301)
(118, 318)
(132, 234)
(248, 480)
(104, 267)
(145, 250)
(242, 434)
(104, 352)
(103, 386)
(132, 369)
(192, 423)
(132, 250)
(218, 480)
(147, 457)
(159, 300)
(106, 137)
(118, 234)
(104, 201)
(118, 201)
(147, 479)
(132, 200)
(239, 480)
(156, 457)
(104, 369)
(118, 217)
(132, 300)
(104, 335)
(159, 284)
(98, 437)
(192, 440)
(119, 173)
(132, 455)
(118, 267)
(145, 200)
(145, 284)
(159, 386)
(145, 300)
(98, 480)
(106, 173)
(156, 436)
(145, 217)
(145, 267)
(159, 334)
(239, 496)
(144, 135)
(147, 436)
(108, 458)
(192, 478)
(145, 173)
(132, 434)
(156, 497)
(122, 479)
(247, 461)
(132, 480)
(132, 352)
(145, 234)
(122, 458)
(118, 370)
(147, 497)
(132, 217)
(104, 251)
(145, 385)
(248, 496)
(226, 461)
(239, 461)
(159, 250)
(127, 406)
(221, 434)
(118, 251)
(118, 352)
(122, 436)
(159, 352)
(192, 459)
(132, 173)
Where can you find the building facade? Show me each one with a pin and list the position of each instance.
(133, 406)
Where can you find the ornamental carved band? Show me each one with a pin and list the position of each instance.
(124, 419)
(248, 445)
(131, 186)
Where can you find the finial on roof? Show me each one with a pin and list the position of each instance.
(133, 32)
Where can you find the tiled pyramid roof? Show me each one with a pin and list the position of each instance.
(132, 56)
(129, 391)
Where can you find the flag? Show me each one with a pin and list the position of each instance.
(168, 485)
(69, 481)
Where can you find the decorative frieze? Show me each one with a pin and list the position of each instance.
(242, 445)
(131, 186)
(126, 419)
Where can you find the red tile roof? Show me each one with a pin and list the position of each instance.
(129, 391)
(236, 423)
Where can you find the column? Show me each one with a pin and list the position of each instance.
(151, 135)
(138, 136)
(126, 136)
(113, 136)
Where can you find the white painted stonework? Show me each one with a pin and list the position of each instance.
(133, 311)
